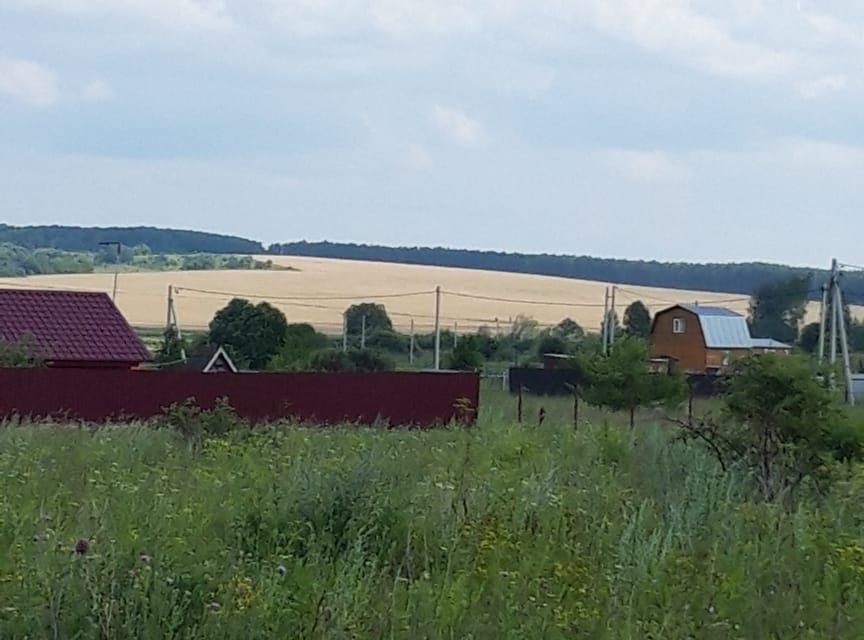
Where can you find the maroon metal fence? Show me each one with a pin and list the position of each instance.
(400, 398)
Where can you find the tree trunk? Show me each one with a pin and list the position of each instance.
(632, 417)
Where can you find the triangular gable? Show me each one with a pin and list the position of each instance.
(220, 362)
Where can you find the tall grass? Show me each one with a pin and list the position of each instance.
(505, 530)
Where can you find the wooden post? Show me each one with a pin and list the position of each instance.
(541, 416)
(519, 405)
(690, 404)
(575, 408)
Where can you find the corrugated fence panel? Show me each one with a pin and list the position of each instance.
(399, 398)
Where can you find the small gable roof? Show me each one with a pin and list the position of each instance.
(769, 343)
(70, 326)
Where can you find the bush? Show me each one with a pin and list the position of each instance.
(353, 360)
(467, 355)
(780, 424)
(196, 425)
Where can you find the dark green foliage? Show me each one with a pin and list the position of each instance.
(622, 381)
(301, 341)
(253, 334)
(569, 330)
(376, 319)
(172, 347)
(782, 424)
(548, 342)
(637, 320)
(777, 308)
(391, 341)
(16, 261)
(19, 354)
(196, 425)
(809, 339)
(467, 355)
(354, 360)
(158, 240)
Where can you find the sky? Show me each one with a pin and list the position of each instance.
(655, 129)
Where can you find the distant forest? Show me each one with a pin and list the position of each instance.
(743, 278)
(157, 240)
(739, 278)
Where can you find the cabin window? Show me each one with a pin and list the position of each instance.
(677, 325)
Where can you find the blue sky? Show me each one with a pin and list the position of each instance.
(660, 129)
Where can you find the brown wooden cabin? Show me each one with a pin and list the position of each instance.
(705, 339)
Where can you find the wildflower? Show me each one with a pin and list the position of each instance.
(37, 537)
(328, 613)
(82, 546)
(214, 606)
(144, 558)
(282, 570)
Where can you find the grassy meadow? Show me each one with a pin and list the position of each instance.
(500, 531)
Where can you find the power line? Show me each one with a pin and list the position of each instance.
(545, 303)
(305, 298)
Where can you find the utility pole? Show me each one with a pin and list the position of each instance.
(437, 328)
(411, 350)
(363, 333)
(171, 321)
(834, 311)
(612, 318)
(823, 312)
(344, 332)
(605, 327)
(114, 243)
(844, 342)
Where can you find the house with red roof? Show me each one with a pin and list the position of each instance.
(70, 329)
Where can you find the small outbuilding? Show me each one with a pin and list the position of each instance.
(70, 329)
(705, 339)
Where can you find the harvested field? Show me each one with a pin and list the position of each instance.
(320, 290)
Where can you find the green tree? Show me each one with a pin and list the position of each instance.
(20, 354)
(172, 347)
(780, 424)
(253, 334)
(548, 342)
(467, 355)
(301, 341)
(365, 360)
(809, 339)
(777, 308)
(622, 381)
(637, 320)
(376, 319)
(569, 330)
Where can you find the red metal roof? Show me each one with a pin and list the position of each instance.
(70, 326)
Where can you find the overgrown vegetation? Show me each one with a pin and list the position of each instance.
(18, 261)
(501, 530)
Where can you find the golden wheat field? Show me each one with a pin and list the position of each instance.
(318, 291)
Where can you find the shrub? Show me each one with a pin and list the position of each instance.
(195, 425)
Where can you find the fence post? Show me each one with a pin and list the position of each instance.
(575, 408)
(519, 405)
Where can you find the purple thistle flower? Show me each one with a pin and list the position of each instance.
(82, 546)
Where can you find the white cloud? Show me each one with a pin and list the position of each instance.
(674, 27)
(179, 14)
(457, 126)
(823, 86)
(645, 166)
(97, 91)
(29, 82)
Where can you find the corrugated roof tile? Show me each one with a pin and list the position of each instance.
(70, 326)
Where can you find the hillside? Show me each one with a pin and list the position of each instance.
(158, 240)
(739, 278)
(318, 290)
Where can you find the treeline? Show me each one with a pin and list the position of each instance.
(743, 278)
(17, 261)
(70, 238)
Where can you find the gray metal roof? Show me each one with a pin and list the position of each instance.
(722, 328)
(769, 343)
